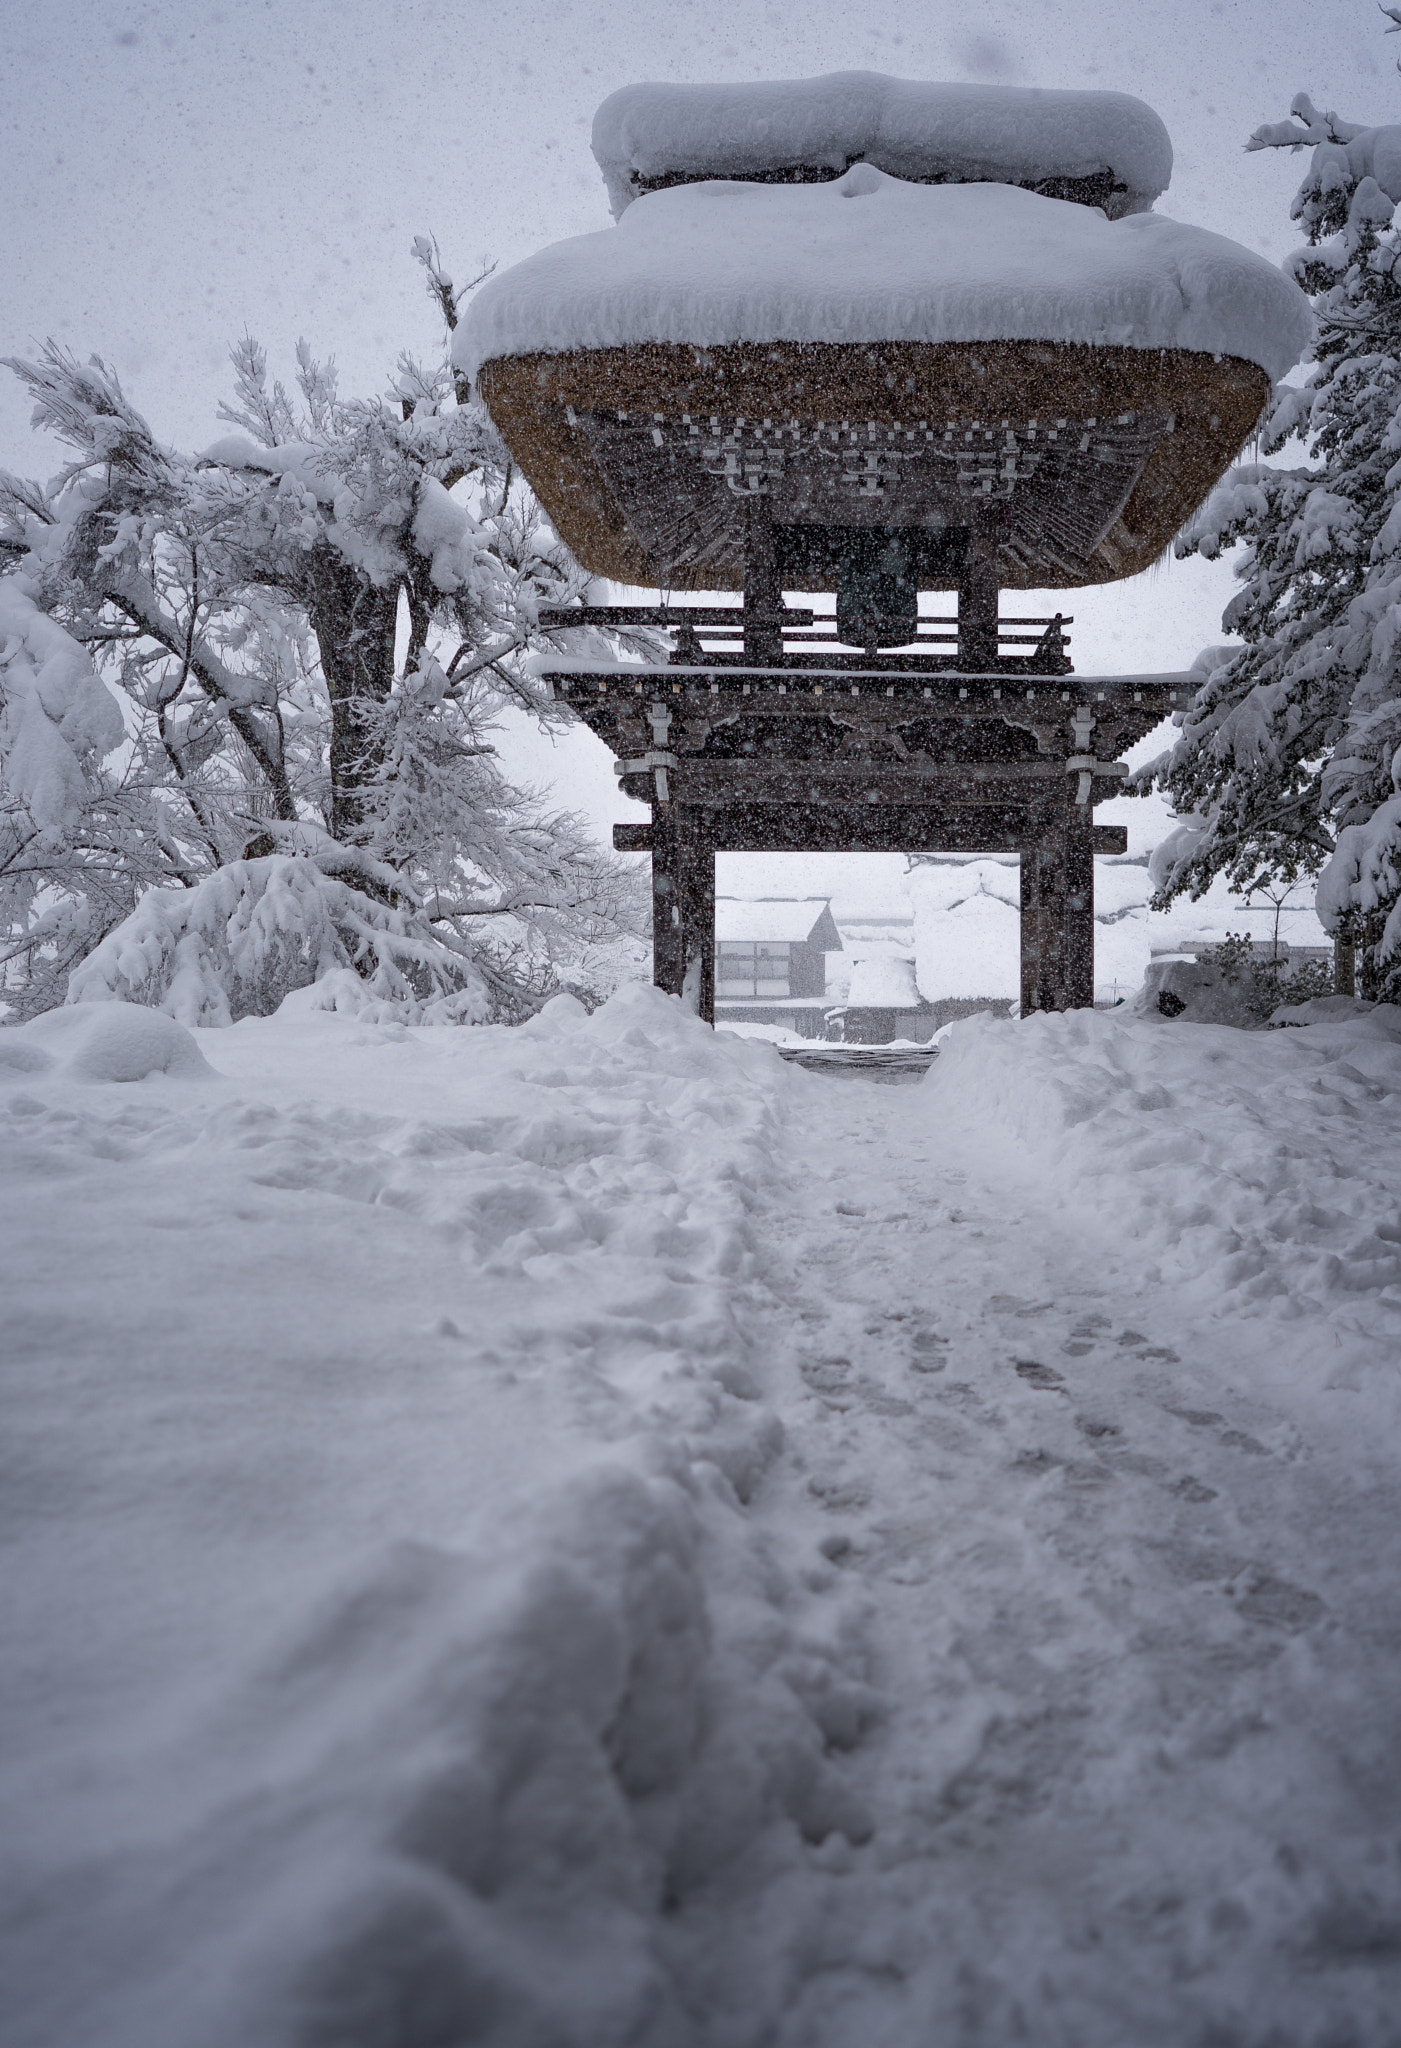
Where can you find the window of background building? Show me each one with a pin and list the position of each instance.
(747, 969)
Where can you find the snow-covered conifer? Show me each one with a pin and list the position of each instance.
(1289, 760)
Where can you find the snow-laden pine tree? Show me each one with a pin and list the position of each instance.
(1289, 760)
(311, 628)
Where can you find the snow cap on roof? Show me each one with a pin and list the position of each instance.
(872, 258)
(926, 132)
(792, 920)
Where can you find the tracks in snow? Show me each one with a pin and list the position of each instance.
(1127, 1607)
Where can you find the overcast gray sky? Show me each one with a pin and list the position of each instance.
(175, 172)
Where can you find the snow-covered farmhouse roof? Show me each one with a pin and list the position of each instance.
(794, 921)
(1102, 147)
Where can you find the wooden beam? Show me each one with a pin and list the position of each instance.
(822, 831)
(553, 617)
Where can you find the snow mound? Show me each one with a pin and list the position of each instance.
(1195, 992)
(1245, 1164)
(1380, 1020)
(869, 258)
(912, 128)
(401, 1661)
(111, 1041)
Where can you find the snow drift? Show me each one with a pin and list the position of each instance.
(1250, 1165)
(558, 1536)
(398, 1664)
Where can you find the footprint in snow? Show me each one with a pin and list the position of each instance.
(930, 1351)
(1259, 1596)
(1038, 1375)
(1193, 1492)
(1135, 1340)
(1234, 1439)
(1085, 1335)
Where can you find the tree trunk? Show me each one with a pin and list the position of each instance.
(354, 622)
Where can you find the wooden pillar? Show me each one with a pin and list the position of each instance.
(1079, 952)
(763, 599)
(668, 944)
(1058, 914)
(977, 605)
(1043, 919)
(683, 906)
(697, 911)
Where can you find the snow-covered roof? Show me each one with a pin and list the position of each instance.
(795, 921)
(914, 129)
(883, 981)
(868, 257)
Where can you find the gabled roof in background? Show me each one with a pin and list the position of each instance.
(794, 920)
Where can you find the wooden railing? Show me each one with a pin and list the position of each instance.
(716, 633)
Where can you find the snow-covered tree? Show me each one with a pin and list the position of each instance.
(1289, 759)
(313, 625)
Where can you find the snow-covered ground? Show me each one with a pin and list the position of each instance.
(589, 1535)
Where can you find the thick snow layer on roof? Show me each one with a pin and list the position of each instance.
(869, 257)
(791, 922)
(912, 128)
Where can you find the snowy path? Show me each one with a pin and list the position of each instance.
(1125, 1580)
(586, 1537)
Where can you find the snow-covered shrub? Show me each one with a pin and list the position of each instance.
(254, 930)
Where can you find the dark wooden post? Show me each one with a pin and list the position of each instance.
(977, 605)
(668, 938)
(1058, 914)
(683, 905)
(1079, 955)
(697, 910)
(1043, 919)
(763, 599)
